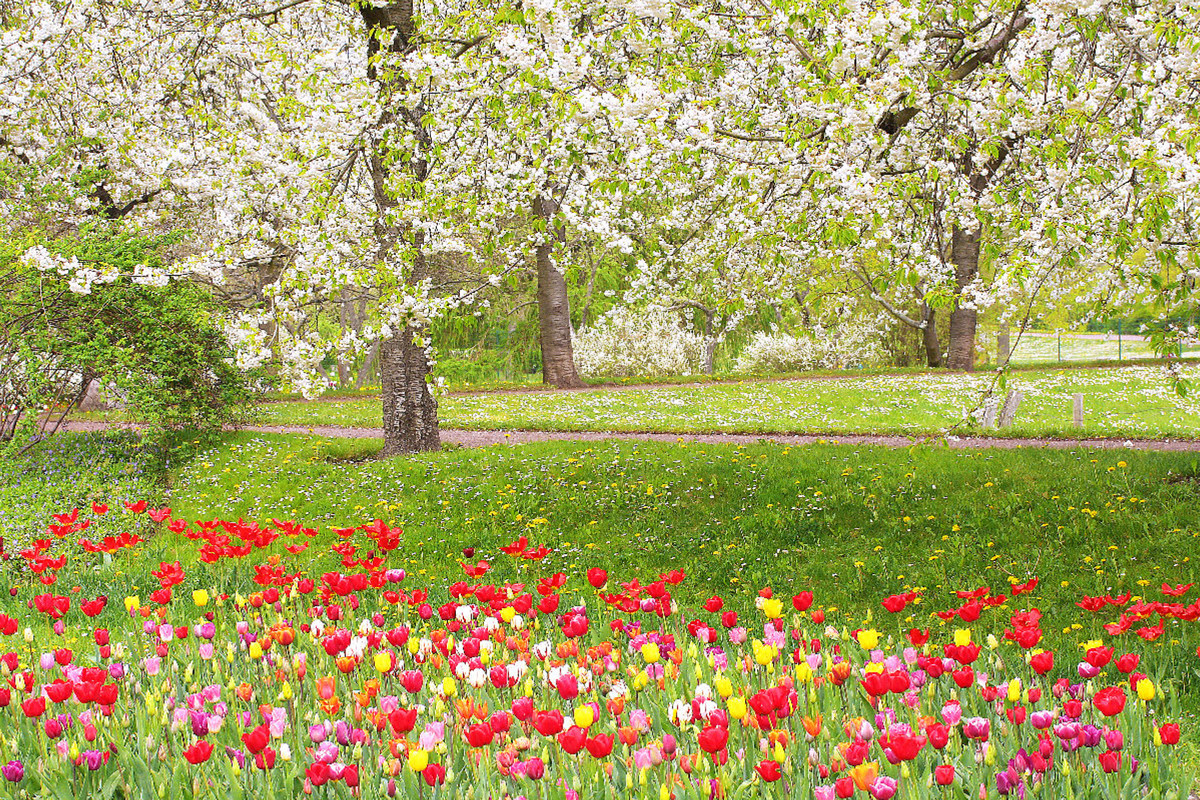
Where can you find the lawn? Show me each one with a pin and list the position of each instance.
(1132, 401)
(1047, 348)
(850, 524)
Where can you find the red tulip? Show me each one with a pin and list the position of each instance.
(573, 739)
(768, 770)
(318, 773)
(939, 735)
(350, 775)
(1099, 656)
(944, 774)
(1110, 760)
(713, 738)
(1042, 662)
(547, 723)
(1128, 662)
(257, 739)
(568, 687)
(802, 601)
(434, 774)
(403, 720)
(1169, 733)
(34, 707)
(1110, 701)
(600, 745)
(597, 577)
(522, 709)
(479, 735)
(412, 680)
(198, 753)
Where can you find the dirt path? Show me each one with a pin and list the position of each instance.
(488, 438)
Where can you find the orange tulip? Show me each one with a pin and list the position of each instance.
(812, 725)
(864, 774)
(839, 673)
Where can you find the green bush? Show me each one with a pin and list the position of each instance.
(161, 348)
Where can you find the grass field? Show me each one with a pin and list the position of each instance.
(1130, 401)
(1047, 348)
(851, 524)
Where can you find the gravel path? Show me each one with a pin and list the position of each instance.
(488, 438)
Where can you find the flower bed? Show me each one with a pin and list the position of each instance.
(258, 679)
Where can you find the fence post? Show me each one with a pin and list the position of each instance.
(1078, 415)
(1009, 411)
(1060, 346)
(1118, 340)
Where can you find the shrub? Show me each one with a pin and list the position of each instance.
(628, 342)
(103, 306)
(847, 344)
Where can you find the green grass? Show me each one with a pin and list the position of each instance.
(860, 522)
(1045, 348)
(852, 524)
(68, 472)
(1133, 401)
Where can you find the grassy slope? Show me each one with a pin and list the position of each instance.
(851, 524)
(858, 522)
(1122, 402)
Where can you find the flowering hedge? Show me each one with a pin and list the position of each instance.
(355, 682)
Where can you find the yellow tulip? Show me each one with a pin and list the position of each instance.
(962, 637)
(773, 607)
(132, 604)
(584, 716)
(418, 760)
(650, 652)
(1145, 689)
(200, 597)
(383, 662)
(724, 687)
(764, 654)
(449, 687)
(1014, 690)
(868, 638)
(256, 651)
(737, 707)
(507, 613)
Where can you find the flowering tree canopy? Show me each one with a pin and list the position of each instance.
(940, 153)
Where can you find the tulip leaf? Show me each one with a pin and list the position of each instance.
(109, 787)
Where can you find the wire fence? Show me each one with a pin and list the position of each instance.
(1041, 347)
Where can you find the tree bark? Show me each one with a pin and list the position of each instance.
(710, 341)
(929, 337)
(554, 309)
(964, 254)
(410, 423)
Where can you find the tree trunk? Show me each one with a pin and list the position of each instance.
(929, 337)
(964, 253)
(710, 341)
(410, 422)
(367, 370)
(554, 310)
